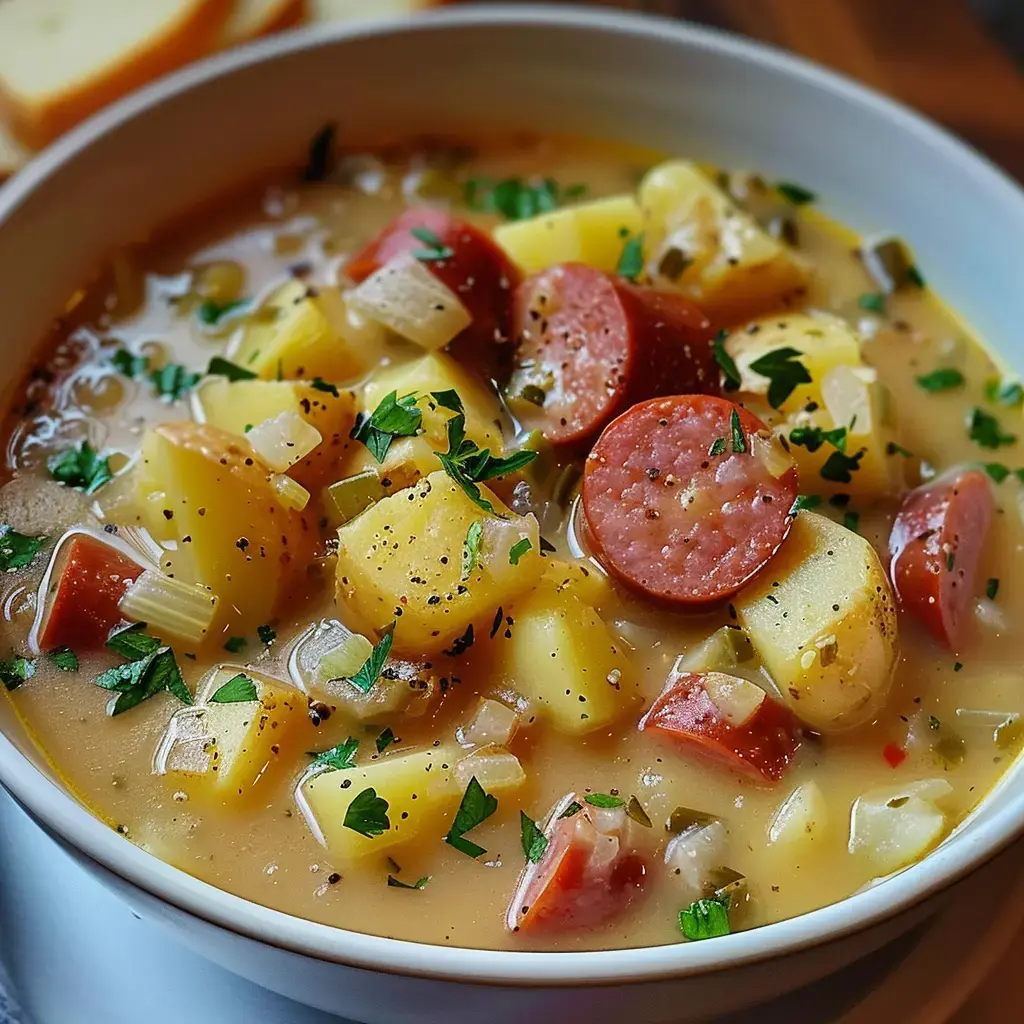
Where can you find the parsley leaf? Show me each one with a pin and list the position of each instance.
(838, 466)
(368, 814)
(803, 501)
(16, 549)
(173, 380)
(603, 800)
(369, 672)
(534, 841)
(717, 446)
(726, 363)
(234, 644)
(339, 757)
(15, 670)
(81, 467)
(873, 302)
(319, 384)
(518, 550)
(64, 658)
(267, 634)
(211, 313)
(152, 670)
(436, 249)
(1004, 392)
(221, 367)
(131, 642)
(705, 919)
(516, 199)
(393, 417)
(385, 739)
(471, 548)
(812, 438)
(129, 364)
(942, 379)
(739, 438)
(984, 429)
(796, 194)
(238, 689)
(631, 262)
(476, 807)
(851, 520)
(992, 588)
(320, 154)
(784, 371)
(997, 471)
(397, 883)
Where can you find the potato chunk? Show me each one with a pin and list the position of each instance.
(203, 489)
(822, 618)
(565, 661)
(699, 243)
(401, 561)
(592, 233)
(419, 788)
(228, 749)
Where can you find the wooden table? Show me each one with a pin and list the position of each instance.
(935, 55)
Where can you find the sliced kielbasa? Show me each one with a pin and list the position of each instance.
(594, 344)
(935, 545)
(686, 498)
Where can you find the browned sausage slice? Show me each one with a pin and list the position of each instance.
(594, 344)
(687, 497)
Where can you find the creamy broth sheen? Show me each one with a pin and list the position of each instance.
(259, 844)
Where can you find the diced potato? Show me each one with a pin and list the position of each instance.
(802, 818)
(565, 661)
(894, 826)
(202, 488)
(301, 332)
(401, 561)
(822, 618)
(580, 577)
(593, 233)
(228, 749)
(420, 791)
(698, 242)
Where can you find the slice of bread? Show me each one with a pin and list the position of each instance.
(61, 60)
(12, 153)
(254, 18)
(337, 10)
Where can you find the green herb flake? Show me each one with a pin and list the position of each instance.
(784, 371)
(992, 588)
(534, 841)
(950, 561)
(805, 501)
(573, 809)
(393, 417)
(851, 520)
(397, 883)
(726, 363)
(943, 379)
(221, 367)
(16, 549)
(1004, 392)
(873, 302)
(631, 262)
(266, 634)
(957, 665)
(997, 471)
(812, 438)
(239, 689)
(234, 644)
(603, 800)
(795, 194)
(82, 468)
(64, 658)
(518, 550)
(173, 381)
(368, 814)
(15, 670)
(471, 548)
(211, 313)
(153, 670)
(337, 758)
(516, 199)
(385, 739)
(435, 250)
(717, 446)
(705, 919)
(915, 277)
(636, 811)
(320, 154)
(739, 438)
(369, 672)
(839, 467)
(476, 807)
(319, 384)
(129, 364)
(892, 448)
(132, 643)
(984, 429)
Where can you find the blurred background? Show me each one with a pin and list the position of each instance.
(958, 61)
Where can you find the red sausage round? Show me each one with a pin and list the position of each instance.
(478, 271)
(596, 344)
(935, 545)
(686, 498)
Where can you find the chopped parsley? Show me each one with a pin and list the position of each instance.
(393, 417)
(129, 364)
(1004, 392)
(851, 520)
(16, 549)
(397, 883)
(784, 371)
(234, 644)
(603, 800)
(64, 658)
(992, 588)
(370, 670)
(984, 429)
(266, 634)
(173, 381)
(803, 501)
(471, 548)
(221, 367)
(516, 199)
(574, 808)
(152, 670)
(726, 363)
(368, 814)
(717, 446)
(631, 262)
(915, 277)
(997, 471)
(739, 439)
(211, 313)
(873, 302)
(15, 670)
(943, 379)
(518, 550)
(238, 689)
(82, 467)
(339, 757)
(435, 250)
(812, 438)
(705, 919)
(892, 448)
(385, 739)
(796, 194)
(838, 467)
(320, 154)
(534, 841)
(319, 384)
(476, 807)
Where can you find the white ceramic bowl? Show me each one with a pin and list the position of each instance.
(663, 84)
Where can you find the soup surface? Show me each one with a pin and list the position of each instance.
(538, 545)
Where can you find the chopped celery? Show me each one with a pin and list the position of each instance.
(345, 499)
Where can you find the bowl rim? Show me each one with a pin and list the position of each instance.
(61, 814)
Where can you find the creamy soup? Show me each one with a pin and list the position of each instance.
(539, 545)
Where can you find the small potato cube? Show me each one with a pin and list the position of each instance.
(581, 578)
(565, 661)
(699, 243)
(822, 618)
(593, 233)
(228, 749)
(401, 561)
(420, 791)
(801, 820)
(495, 768)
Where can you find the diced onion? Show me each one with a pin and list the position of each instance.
(142, 541)
(769, 452)
(187, 744)
(693, 856)
(284, 440)
(845, 392)
(493, 722)
(407, 298)
(345, 499)
(494, 767)
(289, 492)
(990, 615)
(736, 699)
(170, 605)
(801, 818)
(720, 652)
(345, 660)
(897, 825)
